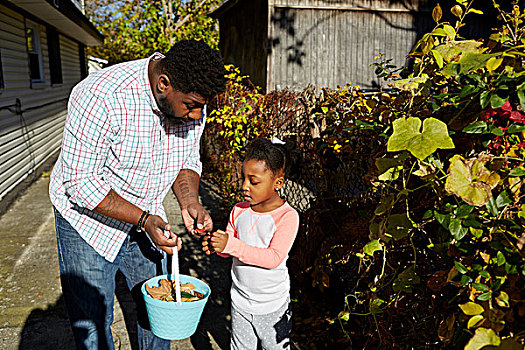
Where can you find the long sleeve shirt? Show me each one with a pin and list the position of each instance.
(116, 138)
(259, 244)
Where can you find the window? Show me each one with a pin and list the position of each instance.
(55, 64)
(34, 52)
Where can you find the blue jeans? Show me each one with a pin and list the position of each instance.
(88, 285)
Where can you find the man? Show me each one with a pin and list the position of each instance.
(132, 132)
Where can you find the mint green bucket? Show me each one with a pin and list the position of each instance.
(171, 320)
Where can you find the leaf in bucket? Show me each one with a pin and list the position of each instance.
(166, 291)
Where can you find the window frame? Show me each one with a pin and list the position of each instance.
(37, 50)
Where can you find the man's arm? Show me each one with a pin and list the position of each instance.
(118, 208)
(186, 190)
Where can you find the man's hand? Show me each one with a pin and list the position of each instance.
(156, 228)
(215, 242)
(197, 220)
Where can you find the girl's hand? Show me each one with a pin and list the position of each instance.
(215, 242)
(156, 229)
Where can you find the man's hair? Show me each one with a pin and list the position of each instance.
(193, 66)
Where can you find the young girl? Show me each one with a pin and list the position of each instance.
(259, 235)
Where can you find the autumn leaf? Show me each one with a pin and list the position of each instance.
(407, 136)
(166, 291)
(470, 180)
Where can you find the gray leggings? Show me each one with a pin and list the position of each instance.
(272, 330)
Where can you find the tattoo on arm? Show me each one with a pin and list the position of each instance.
(111, 204)
(188, 184)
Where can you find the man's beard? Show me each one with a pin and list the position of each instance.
(165, 108)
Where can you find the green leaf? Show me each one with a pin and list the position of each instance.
(470, 180)
(485, 296)
(384, 205)
(476, 127)
(492, 207)
(465, 280)
(398, 226)
(410, 84)
(405, 280)
(493, 63)
(518, 171)
(443, 219)
(477, 12)
(503, 299)
(515, 128)
(475, 321)
(484, 98)
(503, 199)
(471, 308)
(483, 337)
(391, 174)
(438, 57)
(463, 211)
(476, 232)
(461, 268)
(484, 274)
(496, 131)
(496, 101)
(457, 230)
(451, 33)
(500, 258)
(521, 95)
(373, 246)
(407, 136)
(480, 286)
(383, 164)
(472, 61)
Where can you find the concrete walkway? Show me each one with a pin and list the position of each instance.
(32, 314)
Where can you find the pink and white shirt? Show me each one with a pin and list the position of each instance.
(116, 138)
(259, 244)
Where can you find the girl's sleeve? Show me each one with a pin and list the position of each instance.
(271, 257)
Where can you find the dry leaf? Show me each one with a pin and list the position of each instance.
(166, 291)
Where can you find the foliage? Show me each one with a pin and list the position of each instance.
(136, 29)
(236, 118)
(430, 250)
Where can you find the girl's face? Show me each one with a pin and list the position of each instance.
(259, 184)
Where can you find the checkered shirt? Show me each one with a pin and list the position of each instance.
(116, 138)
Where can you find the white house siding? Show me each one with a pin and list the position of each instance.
(31, 134)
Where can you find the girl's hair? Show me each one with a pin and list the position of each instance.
(275, 155)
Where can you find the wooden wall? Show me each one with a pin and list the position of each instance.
(243, 38)
(331, 43)
(30, 131)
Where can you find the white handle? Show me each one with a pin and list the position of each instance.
(175, 272)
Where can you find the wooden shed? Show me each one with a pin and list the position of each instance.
(42, 57)
(292, 43)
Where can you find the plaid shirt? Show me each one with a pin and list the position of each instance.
(116, 138)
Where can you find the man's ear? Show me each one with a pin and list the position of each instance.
(163, 83)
